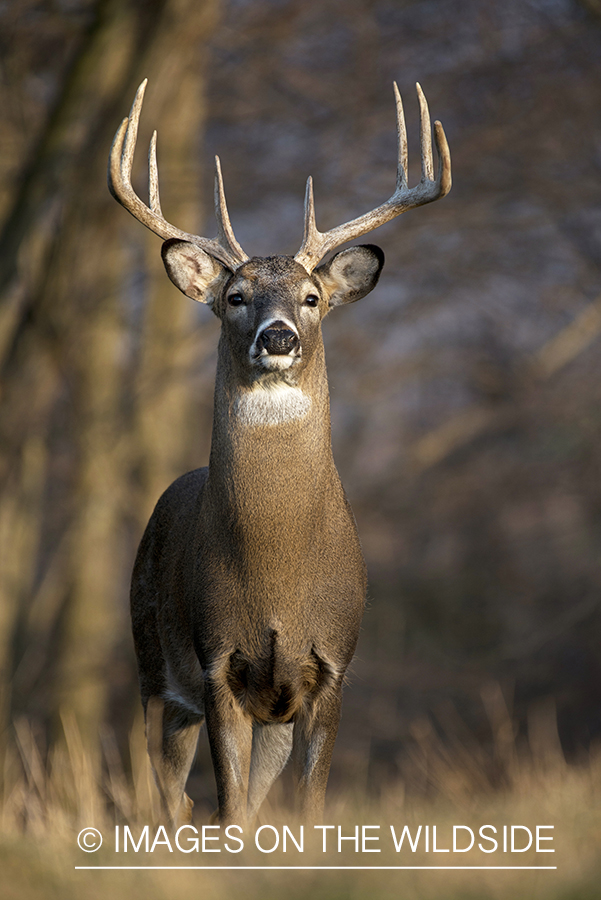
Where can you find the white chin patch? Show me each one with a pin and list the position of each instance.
(271, 405)
(276, 363)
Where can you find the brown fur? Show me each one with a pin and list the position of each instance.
(249, 585)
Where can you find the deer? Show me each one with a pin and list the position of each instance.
(249, 584)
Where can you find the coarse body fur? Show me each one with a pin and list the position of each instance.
(249, 585)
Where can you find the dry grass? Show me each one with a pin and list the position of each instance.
(450, 782)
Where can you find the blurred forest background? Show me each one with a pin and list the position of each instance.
(466, 390)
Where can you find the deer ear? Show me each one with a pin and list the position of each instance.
(193, 271)
(351, 274)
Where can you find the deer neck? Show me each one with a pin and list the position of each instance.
(271, 446)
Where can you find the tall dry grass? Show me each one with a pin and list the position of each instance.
(450, 780)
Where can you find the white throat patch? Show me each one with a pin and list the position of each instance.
(273, 405)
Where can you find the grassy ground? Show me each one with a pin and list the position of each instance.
(45, 807)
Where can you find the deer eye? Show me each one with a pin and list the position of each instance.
(311, 300)
(235, 299)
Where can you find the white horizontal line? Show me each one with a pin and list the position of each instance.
(314, 868)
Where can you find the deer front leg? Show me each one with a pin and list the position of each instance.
(313, 742)
(172, 738)
(230, 738)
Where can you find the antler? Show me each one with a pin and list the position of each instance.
(315, 245)
(224, 248)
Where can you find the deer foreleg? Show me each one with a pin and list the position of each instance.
(230, 738)
(313, 742)
(172, 740)
(270, 751)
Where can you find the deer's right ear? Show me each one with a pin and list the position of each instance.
(193, 271)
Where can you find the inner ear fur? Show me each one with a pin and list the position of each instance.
(351, 274)
(194, 272)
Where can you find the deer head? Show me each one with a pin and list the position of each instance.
(295, 292)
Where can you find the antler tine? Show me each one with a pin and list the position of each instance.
(226, 248)
(315, 245)
(444, 182)
(224, 226)
(131, 134)
(425, 136)
(153, 177)
(310, 231)
(401, 130)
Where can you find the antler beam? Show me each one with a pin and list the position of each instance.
(224, 248)
(316, 244)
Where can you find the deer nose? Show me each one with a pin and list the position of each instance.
(277, 339)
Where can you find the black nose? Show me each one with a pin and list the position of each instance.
(277, 339)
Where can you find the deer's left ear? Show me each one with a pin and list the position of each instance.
(351, 274)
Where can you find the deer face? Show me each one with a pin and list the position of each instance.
(271, 311)
(271, 308)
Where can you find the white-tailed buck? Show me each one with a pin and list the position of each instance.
(249, 584)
